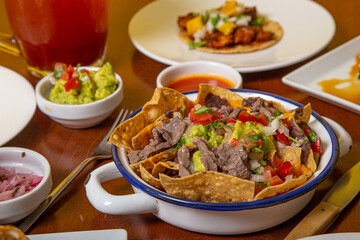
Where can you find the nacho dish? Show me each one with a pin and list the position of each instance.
(221, 148)
(230, 28)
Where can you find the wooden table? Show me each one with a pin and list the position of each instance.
(65, 148)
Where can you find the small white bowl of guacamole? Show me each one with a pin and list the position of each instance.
(84, 99)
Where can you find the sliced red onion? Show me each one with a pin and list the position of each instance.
(13, 184)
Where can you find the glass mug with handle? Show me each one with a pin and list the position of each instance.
(49, 31)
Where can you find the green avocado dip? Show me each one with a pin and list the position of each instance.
(73, 86)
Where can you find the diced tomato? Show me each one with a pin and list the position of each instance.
(60, 67)
(316, 146)
(234, 142)
(282, 138)
(72, 83)
(262, 119)
(306, 131)
(285, 169)
(252, 139)
(286, 123)
(204, 118)
(70, 70)
(271, 170)
(276, 162)
(259, 186)
(275, 180)
(244, 116)
(65, 76)
(230, 120)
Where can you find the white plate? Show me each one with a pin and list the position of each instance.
(334, 236)
(334, 64)
(17, 104)
(113, 234)
(308, 28)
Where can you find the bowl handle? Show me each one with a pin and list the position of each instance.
(344, 138)
(111, 204)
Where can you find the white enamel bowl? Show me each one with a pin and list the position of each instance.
(81, 115)
(24, 161)
(212, 218)
(199, 67)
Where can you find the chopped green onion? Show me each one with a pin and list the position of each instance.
(258, 21)
(204, 109)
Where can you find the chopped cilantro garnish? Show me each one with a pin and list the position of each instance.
(278, 113)
(181, 142)
(254, 138)
(183, 108)
(215, 124)
(257, 149)
(193, 45)
(215, 20)
(258, 21)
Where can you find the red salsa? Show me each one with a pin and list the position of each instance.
(191, 82)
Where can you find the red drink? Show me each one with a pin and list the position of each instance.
(68, 31)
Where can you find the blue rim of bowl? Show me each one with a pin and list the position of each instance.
(243, 205)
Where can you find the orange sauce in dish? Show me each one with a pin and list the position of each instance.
(348, 89)
(191, 82)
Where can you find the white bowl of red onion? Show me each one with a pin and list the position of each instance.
(25, 181)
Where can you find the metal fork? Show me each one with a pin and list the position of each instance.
(101, 152)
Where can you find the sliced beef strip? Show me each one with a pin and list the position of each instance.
(173, 131)
(212, 100)
(207, 157)
(236, 164)
(135, 156)
(235, 113)
(183, 158)
(164, 138)
(297, 132)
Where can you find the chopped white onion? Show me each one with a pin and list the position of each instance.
(257, 178)
(288, 177)
(177, 114)
(272, 127)
(254, 164)
(197, 106)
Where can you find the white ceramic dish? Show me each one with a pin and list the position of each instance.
(17, 104)
(199, 67)
(212, 218)
(334, 236)
(334, 64)
(112, 234)
(81, 115)
(154, 32)
(24, 161)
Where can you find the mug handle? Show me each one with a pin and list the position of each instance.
(344, 138)
(8, 44)
(105, 202)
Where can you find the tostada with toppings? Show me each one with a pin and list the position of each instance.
(221, 147)
(230, 28)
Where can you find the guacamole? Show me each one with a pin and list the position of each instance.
(80, 87)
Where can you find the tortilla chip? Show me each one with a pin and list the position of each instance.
(285, 187)
(209, 187)
(150, 162)
(268, 25)
(305, 114)
(123, 133)
(232, 98)
(161, 167)
(148, 178)
(310, 162)
(291, 154)
(163, 99)
(143, 137)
